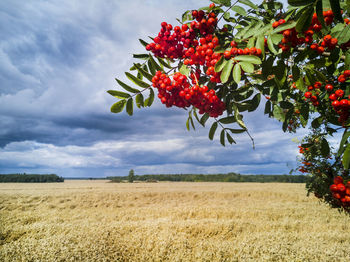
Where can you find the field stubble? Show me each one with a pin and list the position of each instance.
(101, 221)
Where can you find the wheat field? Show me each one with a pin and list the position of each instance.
(102, 221)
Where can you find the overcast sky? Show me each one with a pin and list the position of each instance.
(58, 59)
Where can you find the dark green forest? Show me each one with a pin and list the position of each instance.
(30, 178)
(230, 177)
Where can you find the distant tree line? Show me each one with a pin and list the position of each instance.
(230, 177)
(30, 178)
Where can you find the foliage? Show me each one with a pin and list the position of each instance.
(226, 59)
(230, 177)
(131, 176)
(30, 178)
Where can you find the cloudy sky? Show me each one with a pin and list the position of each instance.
(58, 59)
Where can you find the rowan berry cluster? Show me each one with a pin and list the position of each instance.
(178, 92)
(340, 191)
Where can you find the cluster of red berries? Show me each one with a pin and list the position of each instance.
(172, 44)
(203, 55)
(304, 169)
(313, 93)
(180, 93)
(340, 104)
(291, 39)
(340, 191)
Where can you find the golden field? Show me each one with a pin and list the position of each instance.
(102, 221)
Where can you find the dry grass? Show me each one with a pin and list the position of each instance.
(101, 221)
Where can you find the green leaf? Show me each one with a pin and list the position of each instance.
(143, 72)
(139, 100)
(276, 38)
(324, 148)
(319, 12)
(118, 94)
(260, 43)
(226, 71)
(204, 119)
(255, 102)
(129, 106)
(283, 27)
(118, 107)
(249, 58)
(316, 123)
(300, 2)
(335, 4)
(155, 64)
(343, 142)
(347, 59)
(237, 73)
(184, 70)
(270, 45)
(192, 124)
(227, 120)
(162, 62)
(136, 81)
(126, 87)
(222, 137)
(230, 139)
(212, 130)
(247, 67)
(346, 158)
(220, 64)
(267, 107)
(144, 43)
(150, 99)
(305, 19)
(141, 56)
(248, 3)
(278, 113)
(236, 131)
(239, 10)
(222, 2)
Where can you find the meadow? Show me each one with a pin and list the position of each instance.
(168, 221)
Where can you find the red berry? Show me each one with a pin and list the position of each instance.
(338, 180)
(339, 93)
(329, 87)
(308, 94)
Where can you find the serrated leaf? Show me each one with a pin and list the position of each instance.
(270, 45)
(136, 81)
(230, 139)
(226, 71)
(220, 64)
(255, 102)
(247, 67)
(324, 148)
(343, 142)
(283, 27)
(188, 124)
(249, 58)
(335, 5)
(346, 157)
(222, 137)
(139, 100)
(260, 44)
(141, 56)
(126, 87)
(204, 119)
(319, 12)
(299, 2)
(236, 73)
(304, 20)
(143, 72)
(144, 43)
(227, 120)
(239, 10)
(118, 107)
(162, 62)
(118, 94)
(212, 130)
(130, 106)
(236, 131)
(155, 64)
(248, 3)
(150, 99)
(184, 70)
